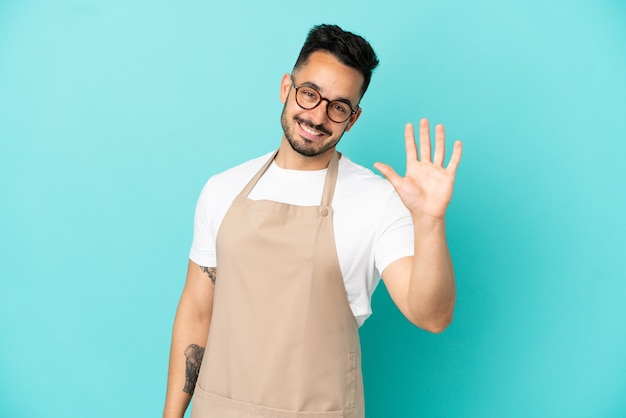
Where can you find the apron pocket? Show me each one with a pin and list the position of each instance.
(210, 405)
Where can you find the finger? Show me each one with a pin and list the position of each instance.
(424, 141)
(456, 156)
(440, 145)
(389, 173)
(409, 143)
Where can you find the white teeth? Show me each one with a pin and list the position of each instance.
(310, 131)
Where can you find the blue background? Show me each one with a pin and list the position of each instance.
(114, 113)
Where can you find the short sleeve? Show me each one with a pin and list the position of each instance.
(203, 245)
(395, 240)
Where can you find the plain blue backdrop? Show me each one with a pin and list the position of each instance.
(114, 113)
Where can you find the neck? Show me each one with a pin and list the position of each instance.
(289, 159)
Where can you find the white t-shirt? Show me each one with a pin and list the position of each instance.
(372, 226)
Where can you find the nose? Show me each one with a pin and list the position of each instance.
(319, 114)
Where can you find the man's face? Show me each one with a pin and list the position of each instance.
(311, 132)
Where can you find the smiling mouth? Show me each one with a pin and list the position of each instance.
(308, 128)
(310, 131)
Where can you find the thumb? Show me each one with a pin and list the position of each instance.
(389, 173)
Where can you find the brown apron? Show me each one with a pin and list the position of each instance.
(283, 341)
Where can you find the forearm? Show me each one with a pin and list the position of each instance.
(189, 336)
(432, 289)
(188, 341)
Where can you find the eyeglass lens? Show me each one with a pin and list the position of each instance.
(309, 98)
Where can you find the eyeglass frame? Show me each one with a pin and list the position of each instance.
(322, 98)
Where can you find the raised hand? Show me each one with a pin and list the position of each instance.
(426, 188)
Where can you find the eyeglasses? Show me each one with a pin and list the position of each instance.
(308, 98)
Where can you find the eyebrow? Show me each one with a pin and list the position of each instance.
(318, 88)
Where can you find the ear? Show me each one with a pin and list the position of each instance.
(285, 86)
(353, 120)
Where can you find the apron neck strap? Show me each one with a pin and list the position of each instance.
(329, 183)
(331, 180)
(246, 190)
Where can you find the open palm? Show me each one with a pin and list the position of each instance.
(426, 188)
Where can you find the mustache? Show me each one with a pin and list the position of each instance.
(311, 125)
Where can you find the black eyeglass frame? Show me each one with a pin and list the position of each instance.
(322, 98)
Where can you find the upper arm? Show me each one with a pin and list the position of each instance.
(197, 297)
(397, 277)
(394, 251)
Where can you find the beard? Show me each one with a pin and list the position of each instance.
(304, 146)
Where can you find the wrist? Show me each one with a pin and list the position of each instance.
(427, 222)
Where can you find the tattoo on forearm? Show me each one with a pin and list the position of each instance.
(194, 354)
(211, 271)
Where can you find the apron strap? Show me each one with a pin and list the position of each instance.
(331, 180)
(246, 190)
(329, 183)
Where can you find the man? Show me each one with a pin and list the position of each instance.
(287, 249)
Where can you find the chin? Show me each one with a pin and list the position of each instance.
(302, 148)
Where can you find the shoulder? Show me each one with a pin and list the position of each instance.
(359, 188)
(235, 178)
(248, 167)
(355, 179)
